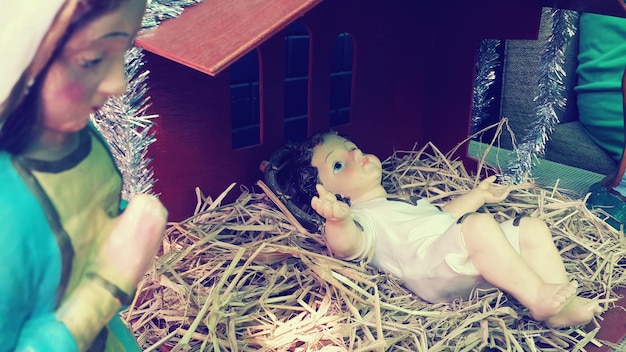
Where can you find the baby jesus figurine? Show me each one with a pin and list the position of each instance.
(440, 254)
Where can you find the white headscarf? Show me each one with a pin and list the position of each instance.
(29, 33)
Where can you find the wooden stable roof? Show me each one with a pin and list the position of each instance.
(213, 34)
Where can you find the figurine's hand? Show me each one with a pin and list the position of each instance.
(134, 241)
(327, 205)
(120, 264)
(493, 193)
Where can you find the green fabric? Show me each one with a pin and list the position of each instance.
(601, 62)
(612, 203)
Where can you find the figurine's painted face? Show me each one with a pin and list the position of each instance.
(89, 69)
(344, 169)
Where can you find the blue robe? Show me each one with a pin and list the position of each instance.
(53, 218)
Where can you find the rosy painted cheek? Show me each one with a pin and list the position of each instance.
(72, 91)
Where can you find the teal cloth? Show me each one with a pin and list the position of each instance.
(30, 271)
(613, 205)
(123, 334)
(601, 62)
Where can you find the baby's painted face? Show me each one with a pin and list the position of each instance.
(344, 169)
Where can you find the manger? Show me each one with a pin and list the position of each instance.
(247, 276)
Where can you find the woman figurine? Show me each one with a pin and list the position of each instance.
(70, 257)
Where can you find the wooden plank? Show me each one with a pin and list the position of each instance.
(213, 34)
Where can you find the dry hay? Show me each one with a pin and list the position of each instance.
(246, 276)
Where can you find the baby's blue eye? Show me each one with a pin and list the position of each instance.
(338, 166)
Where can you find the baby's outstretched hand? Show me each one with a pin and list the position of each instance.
(327, 205)
(493, 193)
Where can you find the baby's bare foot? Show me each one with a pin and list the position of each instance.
(552, 298)
(579, 311)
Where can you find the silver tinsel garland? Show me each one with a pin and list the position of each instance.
(487, 59)
(549, 97)
(122, 120)
(158, 11)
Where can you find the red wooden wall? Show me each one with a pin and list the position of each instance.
(412, 82)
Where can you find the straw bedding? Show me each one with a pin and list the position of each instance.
(246, 276)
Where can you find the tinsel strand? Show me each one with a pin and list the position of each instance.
(158, 11)
(487, 59)
(550, 96)
(122, 120)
